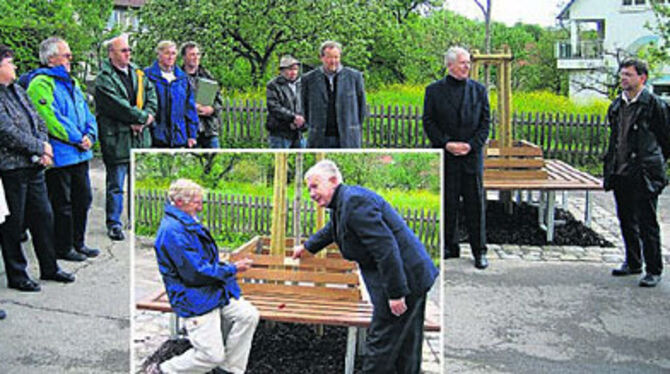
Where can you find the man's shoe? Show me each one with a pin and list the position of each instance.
(624, 270)
(481, 262)
(650, 280)
(154, 369)
(2, 314)
(59, 276)
(27, 285)
(88, 252)
(72, 255)
(115, 233)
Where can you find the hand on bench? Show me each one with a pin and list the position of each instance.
(297, 251)
(243, 264)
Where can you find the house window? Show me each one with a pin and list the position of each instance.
(640, 2)
(636, 2)
(627, 2)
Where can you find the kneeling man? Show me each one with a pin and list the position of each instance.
(396, 268)
(202, 290)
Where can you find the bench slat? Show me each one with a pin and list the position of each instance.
(349, 279)
(323, 292)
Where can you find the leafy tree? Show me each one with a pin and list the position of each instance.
(25, 23)
(242, 39)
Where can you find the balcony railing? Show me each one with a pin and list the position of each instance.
(583, 50)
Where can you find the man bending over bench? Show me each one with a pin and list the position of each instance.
(396, 268)
(201, 290)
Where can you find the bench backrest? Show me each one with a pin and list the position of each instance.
(332, 278)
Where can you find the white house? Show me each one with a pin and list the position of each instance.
(599, 30)
(123, 16)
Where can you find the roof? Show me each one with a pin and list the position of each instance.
(130, 3)
(564, 12)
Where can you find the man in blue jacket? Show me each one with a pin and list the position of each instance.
(72, 133)
(396, 268)
(176, 124)
(201, 289)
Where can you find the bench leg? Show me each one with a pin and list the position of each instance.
(587, 209)
(174, 326)
(551, 204)
(351, 351)
(361, 340)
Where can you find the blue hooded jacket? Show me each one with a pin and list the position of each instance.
(177, 119)
(188, 259)
(61, 103)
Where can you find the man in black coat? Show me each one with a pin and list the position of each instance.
(456, 118)
(334, 100)
(635, 168)
(286, 122)
(396, 268)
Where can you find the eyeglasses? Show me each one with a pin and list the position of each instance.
(67, 55)
(125, 50)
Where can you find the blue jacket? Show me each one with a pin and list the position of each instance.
(188, 259)
(177, 119)
(61, 103)
(393, 261)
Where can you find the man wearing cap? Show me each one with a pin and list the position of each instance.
(286, 122)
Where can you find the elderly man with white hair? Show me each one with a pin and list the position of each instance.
(126, 104)
(456, 119)
(396, 268)
(202, 289)
(177, 117)
(72, 132)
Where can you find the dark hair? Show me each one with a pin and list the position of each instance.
(5, 52)
(185, 47)
(640, 66)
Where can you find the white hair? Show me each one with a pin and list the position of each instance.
(326, 169)
(49, 48)
(184, 190)
(452, 54)
(109, 43)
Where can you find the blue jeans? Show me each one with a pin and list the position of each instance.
(207, 141)
(114, 181)
(282, 142)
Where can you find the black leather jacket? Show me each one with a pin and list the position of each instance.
(283, 105)
(649, 140)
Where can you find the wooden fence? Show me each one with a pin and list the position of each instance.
(225, 215)
(576, 139)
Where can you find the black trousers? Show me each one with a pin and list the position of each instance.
(394, 345)
(26, 194)
(469, 186)
(639, 224)
(70, 196)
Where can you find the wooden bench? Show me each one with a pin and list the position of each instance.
(560, 177)
(319, 291)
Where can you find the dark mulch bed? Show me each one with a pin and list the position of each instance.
(521, 227)
(282, 348)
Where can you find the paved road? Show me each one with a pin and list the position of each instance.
(83, 327)
(557, 309)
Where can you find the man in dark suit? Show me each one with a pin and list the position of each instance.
(396, 268)
(333, 97)
(456, 118)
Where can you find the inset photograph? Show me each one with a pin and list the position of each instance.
(261, 262)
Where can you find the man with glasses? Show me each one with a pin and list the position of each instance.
(72, 133)
(125, 103)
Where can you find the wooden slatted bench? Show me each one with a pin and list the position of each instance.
(319, 291)
(560, 177)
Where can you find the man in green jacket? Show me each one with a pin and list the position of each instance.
(125, 104)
